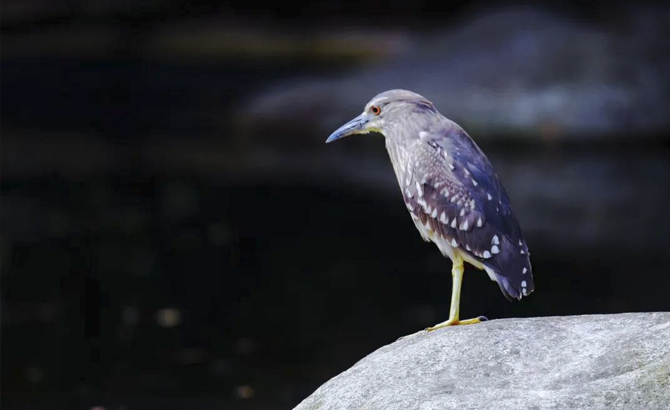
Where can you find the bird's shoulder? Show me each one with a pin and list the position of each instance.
(446, 155)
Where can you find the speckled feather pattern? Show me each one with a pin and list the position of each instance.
(455, 197)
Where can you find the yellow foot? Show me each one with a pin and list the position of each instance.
(454, 322)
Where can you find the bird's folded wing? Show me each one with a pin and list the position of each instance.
(453, 191)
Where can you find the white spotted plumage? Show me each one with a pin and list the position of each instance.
(452, 192)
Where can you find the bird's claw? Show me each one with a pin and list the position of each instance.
(456, 322)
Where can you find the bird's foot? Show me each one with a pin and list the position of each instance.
(456, 322)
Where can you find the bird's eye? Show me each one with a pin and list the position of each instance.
(375, 110)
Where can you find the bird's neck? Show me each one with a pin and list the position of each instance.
(399, 153)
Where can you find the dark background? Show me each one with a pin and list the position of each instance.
(175, 234)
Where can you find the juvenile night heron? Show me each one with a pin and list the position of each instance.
(451, 191)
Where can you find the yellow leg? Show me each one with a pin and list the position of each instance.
(457, 279)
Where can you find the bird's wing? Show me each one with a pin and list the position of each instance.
(455, 193)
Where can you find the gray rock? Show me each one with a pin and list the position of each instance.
(580, 362)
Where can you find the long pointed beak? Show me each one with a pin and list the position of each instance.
(355, 126)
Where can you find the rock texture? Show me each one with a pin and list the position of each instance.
(582, 362)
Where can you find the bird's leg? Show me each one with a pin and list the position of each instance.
(457, 279)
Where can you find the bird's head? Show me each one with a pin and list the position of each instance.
(387, 111)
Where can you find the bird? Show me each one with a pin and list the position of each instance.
(453, 195)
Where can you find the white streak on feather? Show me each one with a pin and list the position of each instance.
(419, 189)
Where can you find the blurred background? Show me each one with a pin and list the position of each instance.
(176, 234)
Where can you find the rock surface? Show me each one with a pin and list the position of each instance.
(580, 362)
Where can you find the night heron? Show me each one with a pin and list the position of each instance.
(451, 191)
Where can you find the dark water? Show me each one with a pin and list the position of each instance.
(278, 288)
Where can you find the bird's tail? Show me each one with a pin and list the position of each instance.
(513, 271)
(510, 291)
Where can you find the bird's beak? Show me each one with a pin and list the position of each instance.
(355, 126)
